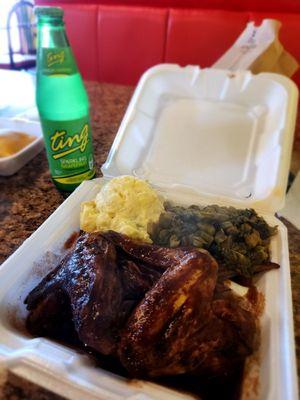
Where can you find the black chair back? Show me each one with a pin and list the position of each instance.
(23, 10)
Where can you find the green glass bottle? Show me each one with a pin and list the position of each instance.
(62, 104)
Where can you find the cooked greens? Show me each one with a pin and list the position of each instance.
(238, 239)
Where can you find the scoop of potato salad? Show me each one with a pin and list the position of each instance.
(126, 205)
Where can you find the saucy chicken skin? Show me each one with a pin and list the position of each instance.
(160, 311)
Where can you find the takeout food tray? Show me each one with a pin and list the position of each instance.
(175, 113)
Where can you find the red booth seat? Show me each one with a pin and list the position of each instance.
(201, 36)
(82, 26)
(129, 42)
(117, 43)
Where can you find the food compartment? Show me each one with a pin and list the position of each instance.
(28, 265)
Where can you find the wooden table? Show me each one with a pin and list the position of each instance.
(29, 197)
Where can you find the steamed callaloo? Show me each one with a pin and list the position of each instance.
(238, 239)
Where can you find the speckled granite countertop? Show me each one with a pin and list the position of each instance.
(29, 197)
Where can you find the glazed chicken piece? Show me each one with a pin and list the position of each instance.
(89, 295)
(162, 311)
(184, 325)
(159, 337)
(158, 257)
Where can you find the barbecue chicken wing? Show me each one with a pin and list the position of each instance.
(180, 327)
(159, 338)
(89, 295)
(162, 311)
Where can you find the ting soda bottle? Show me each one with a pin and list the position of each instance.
(62, 103)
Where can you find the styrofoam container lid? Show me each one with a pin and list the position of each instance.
(69, 373)
(225, 135)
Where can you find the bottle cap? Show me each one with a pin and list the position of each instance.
(55, 12)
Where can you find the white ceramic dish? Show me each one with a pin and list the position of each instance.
(153, 126)
(10, 165)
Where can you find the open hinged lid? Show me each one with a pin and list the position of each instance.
(225, 136)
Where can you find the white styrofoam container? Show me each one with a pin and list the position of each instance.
(199, 136)
(10, 165)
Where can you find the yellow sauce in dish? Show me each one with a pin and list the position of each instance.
(12, 142)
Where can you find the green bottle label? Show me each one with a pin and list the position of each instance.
(69, 150)
(57, 61)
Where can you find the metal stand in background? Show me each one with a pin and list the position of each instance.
(25, 56)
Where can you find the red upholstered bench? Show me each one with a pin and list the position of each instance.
(82, 27)
(201, 36)
(115, 41)
(130, 40)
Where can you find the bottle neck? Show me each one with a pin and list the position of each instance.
(51, 33)
(55, 55)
